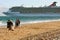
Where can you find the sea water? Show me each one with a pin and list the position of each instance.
(28, 19)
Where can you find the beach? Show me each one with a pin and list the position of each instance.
(33, 31)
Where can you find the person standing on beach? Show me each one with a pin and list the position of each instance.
(17, 22)
(9, 24)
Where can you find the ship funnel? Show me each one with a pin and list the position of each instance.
(53, 4)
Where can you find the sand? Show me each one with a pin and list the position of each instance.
(27, 30)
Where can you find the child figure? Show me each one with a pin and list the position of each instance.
(17, 23)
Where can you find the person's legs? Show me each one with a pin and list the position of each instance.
(9, 27)
(16, 24)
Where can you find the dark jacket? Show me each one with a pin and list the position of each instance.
(9, 24)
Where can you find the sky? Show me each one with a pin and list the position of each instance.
(27, 3)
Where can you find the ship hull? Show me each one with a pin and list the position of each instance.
(31, 14)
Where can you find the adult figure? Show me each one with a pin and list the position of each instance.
(9, 24)
(17, 22)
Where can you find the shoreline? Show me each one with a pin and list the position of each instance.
(33, 22)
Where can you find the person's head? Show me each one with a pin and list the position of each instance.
(8, 20)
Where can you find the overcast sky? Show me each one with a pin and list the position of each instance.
(30, 3)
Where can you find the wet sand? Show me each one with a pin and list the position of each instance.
(28, 30)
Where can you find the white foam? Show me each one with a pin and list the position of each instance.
(2, 24)
(39, 21)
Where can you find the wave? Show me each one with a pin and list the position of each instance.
(39, 21)
(29, 22)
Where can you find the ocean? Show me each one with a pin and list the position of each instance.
(28, 19)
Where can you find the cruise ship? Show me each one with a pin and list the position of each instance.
(34, 11)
